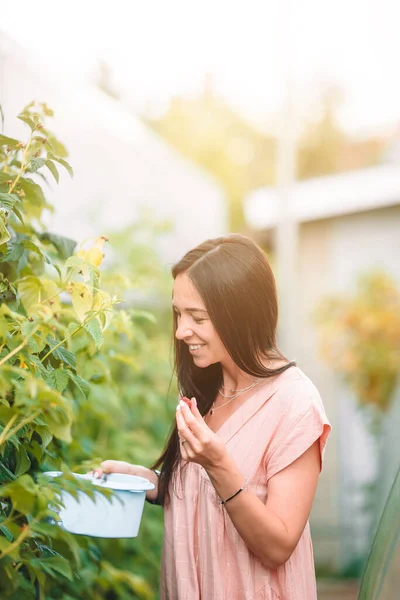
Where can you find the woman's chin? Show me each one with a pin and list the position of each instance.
(203, 362)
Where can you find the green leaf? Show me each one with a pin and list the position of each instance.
(53, 565)
(63, 163)
(57, 147)
(81, 384)
(64, 246)
(5, 531)
(45, 435)
(93, 327)
(66, 356)
(26, 118)
(33, 192)
(4, 545)
(94, 278)
(103, 320)
(53, 169)
(62, 354)
(61, 429)
(8, 200)
(29, 245)
(35, 360)
(58, 379)
(4, 233)
(14, 252)
(5, 474)
(23, 462)
(18, 214)
(7, 141)
(36, 163)
(22, 492)
(6, 177)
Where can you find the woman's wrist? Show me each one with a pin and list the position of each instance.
(150, 475)
(226, 478)
(152, 495)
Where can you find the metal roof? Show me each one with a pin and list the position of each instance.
(327, 197)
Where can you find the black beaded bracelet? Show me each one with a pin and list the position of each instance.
(235, 494)
(156, 502)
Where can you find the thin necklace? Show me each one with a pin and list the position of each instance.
(237, 391)
(213, 408)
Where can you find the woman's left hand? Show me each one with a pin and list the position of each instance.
(198, 443)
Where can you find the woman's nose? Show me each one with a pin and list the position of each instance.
(183, 331)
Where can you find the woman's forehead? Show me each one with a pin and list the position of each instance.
(185, 295)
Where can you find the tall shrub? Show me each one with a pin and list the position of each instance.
(61, 344)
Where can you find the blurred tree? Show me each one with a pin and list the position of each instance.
(360, 336)
(325, 149)
(209, 132)
(321, 146)
(242, 158)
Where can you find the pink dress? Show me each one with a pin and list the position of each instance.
(204, 558)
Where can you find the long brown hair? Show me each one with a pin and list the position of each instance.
(235, 281)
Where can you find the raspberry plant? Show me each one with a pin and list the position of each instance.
(58, 332)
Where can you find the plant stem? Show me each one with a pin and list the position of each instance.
(72, 334)
(4, 437)
(8, 427)
(24, 534)
(18, 348)
(22, 169)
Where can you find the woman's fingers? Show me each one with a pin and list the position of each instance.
(194, 419)
(184, 431)
(116, 466)
(195, 411)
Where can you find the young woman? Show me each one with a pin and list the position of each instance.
(240, 469)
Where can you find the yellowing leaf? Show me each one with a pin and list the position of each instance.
(50, 294)
(82, 299)
(4, 233)
(94, 255)
(29, 291)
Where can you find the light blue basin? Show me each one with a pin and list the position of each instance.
(115, 517)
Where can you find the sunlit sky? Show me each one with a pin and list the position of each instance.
(158, 48)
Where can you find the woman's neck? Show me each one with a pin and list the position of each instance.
(234, 378)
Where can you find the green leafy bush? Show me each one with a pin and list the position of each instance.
(79, 382)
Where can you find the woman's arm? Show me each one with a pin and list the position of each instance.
(272, 530)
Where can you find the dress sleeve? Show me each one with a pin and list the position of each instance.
(302, 422)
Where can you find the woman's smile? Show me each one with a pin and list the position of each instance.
(195, 348)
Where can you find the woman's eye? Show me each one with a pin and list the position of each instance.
(198, 321)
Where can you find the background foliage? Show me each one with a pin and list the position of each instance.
(80, 381)
(360, 335)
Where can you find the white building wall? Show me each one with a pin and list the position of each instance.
(120, 165)
(332, 253)
(314, 264)
(361, 243)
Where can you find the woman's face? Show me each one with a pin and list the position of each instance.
(194, 326)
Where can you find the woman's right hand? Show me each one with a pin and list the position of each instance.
(120, 466)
